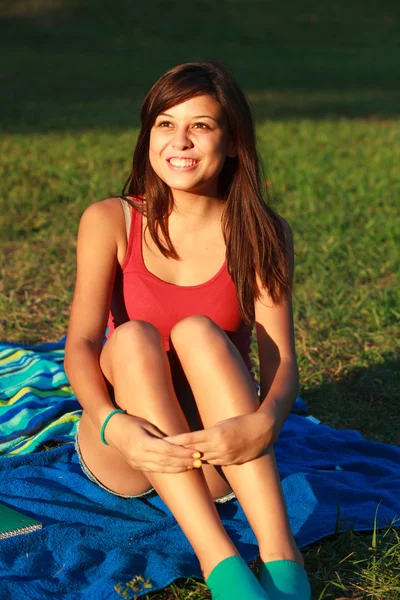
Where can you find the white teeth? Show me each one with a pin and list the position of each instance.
(182, 162)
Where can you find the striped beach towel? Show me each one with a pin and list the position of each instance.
(37, 403)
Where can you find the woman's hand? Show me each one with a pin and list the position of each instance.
(143, 447)
(232, 441)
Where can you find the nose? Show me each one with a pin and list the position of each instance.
(181, 139)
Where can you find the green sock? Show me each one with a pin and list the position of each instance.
(285, 580)
(232, 579)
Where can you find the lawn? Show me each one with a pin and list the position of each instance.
(323, 82)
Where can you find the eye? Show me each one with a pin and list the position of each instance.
(202, 125)
(164, 123)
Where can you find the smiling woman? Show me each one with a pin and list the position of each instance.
(256, 238)
(169, 402)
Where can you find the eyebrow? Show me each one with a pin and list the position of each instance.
(196, 117)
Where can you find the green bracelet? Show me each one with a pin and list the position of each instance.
(117, 410)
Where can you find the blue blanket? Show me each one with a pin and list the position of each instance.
(93, 543)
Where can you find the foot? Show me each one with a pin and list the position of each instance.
(284, 580)
(232, 579)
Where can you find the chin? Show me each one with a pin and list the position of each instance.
(182, 183)
(184, 186)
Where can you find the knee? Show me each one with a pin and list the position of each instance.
(137, 336)
(195, 331)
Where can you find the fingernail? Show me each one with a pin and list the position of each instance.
(196, 454)
(197, 463)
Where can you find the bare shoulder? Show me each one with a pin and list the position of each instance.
(110, 207)
(109, 214)
(96, 255)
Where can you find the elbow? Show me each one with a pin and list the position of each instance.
(79, 351)
(293, 375)
(67, 353)
(71, 350)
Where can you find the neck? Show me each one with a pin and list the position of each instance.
(196, 209)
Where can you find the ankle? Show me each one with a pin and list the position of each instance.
(232, 579)
(292, 554)
(210, 562)
(285, 580)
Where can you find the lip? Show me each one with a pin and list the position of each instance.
(182, 169)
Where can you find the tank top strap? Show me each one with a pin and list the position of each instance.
(136, 239)
(127, 215)
(133, 256)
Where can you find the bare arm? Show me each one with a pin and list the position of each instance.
(96, 263)
(86, 379)
(279, 377)
(138, 440)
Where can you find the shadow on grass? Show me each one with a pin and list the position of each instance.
(365, 399)
(78, 66)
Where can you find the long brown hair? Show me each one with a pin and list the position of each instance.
(253, 233)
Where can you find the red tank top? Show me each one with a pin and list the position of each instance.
(139, 295)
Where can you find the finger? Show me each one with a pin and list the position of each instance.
(164, 465)
(166, 449)
(192, 438)
(154, 430)
(203, 447)
(193, 453)
(156, 468)
(215, 458)
(164, 460)
(200, 450)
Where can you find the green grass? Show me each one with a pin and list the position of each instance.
(348, 565)
(323, 82)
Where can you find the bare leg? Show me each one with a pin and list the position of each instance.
(223, 388)
(136, 365)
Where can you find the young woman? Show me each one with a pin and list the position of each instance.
(179, 269)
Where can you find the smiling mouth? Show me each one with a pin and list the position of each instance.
(182, 162)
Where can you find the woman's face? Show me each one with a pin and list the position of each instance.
(189, 144)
